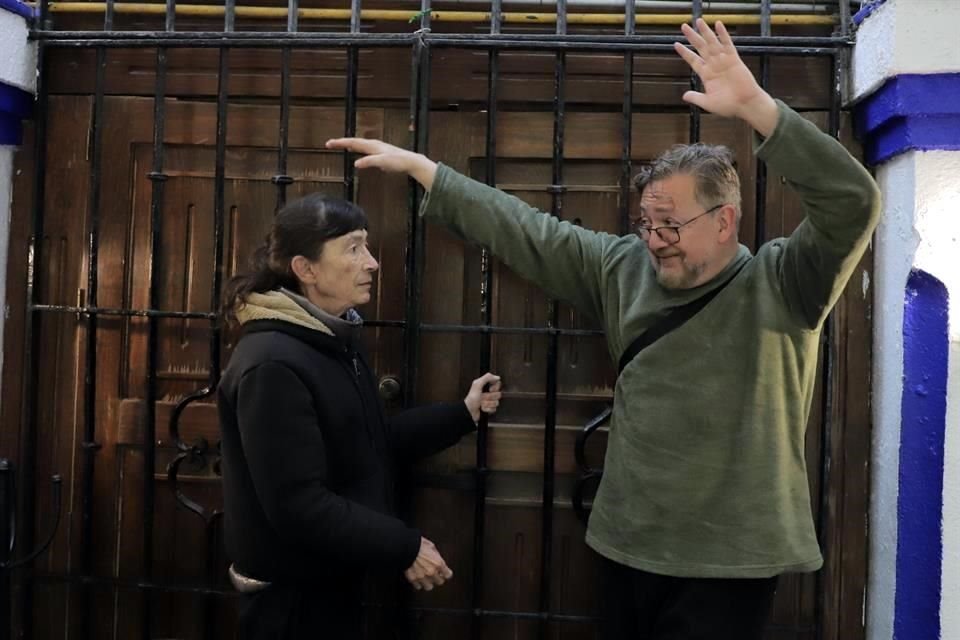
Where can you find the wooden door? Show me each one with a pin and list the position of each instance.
(185, 583)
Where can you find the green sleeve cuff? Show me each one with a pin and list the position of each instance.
(440, 181)
(786, 122)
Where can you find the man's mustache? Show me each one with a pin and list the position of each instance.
(666, 254)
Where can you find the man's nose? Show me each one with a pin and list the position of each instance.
(655, 241)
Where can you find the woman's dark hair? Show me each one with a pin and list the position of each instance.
(299, 229)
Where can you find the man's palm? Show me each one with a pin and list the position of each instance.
(728, 85)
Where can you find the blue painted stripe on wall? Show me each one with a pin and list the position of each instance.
(17, 7)
(11, 131)
(15, 105)
(866, 10)
(927, 134)
(910, 95)
(15, 101)
(910, 112)
(922, 432)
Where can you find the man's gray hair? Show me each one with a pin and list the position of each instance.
(711, 166)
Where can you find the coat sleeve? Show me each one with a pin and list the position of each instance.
(564, 259)
(423, 431)
(841, 203)
(286, 456)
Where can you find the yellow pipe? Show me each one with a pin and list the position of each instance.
(400, 15)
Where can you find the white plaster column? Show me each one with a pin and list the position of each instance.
(18, 81)
(906, 81)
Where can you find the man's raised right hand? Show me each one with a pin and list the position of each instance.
(386, 157)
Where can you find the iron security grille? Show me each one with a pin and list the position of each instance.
(419, 44)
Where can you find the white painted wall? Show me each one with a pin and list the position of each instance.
(18, 56)
(896, 242)
(6, 194)
(18, 68)
(906, 36)
(938, 225)
(920, 229)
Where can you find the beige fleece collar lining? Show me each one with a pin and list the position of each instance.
(274, 305)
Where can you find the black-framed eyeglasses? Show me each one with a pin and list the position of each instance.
(669, 233)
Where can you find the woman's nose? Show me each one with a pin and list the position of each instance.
(372, 264)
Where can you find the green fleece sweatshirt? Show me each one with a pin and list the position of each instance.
(705, 472)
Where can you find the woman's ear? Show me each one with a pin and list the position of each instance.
(302, 269)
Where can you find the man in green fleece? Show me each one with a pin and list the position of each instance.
(704, 497)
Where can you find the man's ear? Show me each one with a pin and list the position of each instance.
(303, 269)
(728, 222)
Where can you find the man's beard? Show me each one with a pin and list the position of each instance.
(680, 274)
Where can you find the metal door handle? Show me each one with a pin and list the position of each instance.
(388, 388)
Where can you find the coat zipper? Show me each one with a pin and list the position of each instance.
(363, 405)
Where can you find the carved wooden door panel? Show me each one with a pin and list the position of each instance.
(532, 562)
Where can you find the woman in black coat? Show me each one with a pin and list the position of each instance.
(308, 454)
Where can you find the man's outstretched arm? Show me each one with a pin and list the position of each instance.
(563, 259)
(729, 89)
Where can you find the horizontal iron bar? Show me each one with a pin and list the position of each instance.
(598, 47)
(141, 313)
(488, 329)
(217, 39)
(393, 324)
(675, 18)
(485, 329)
(390, 324)
(116, 583)
(206, 39)
(501, 613)
(807, 41)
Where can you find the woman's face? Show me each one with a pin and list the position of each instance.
(343, 275)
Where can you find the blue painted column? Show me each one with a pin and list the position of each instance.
(906, 84)
(18, 81)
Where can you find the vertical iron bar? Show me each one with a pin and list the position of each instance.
(760, 232)
(89, 446)
(350, 110)
(212, 561)
(157, 181)
(844, 17)
(8, 511)
(215, 288)
(355, 16)
(282, 180)
(216, 284)
(218, 198)
(32, 326)
(419, 124)
(765, 12)
(550, 417)
(828, 380)
(626, 165)
(695, 85)
(696, 9)
(486, 318)
(836, 97)
(170, 19)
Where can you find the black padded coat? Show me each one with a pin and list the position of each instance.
(308, 462)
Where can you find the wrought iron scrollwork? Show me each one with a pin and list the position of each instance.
(200, 454)
(588, 474)
(7, 562)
